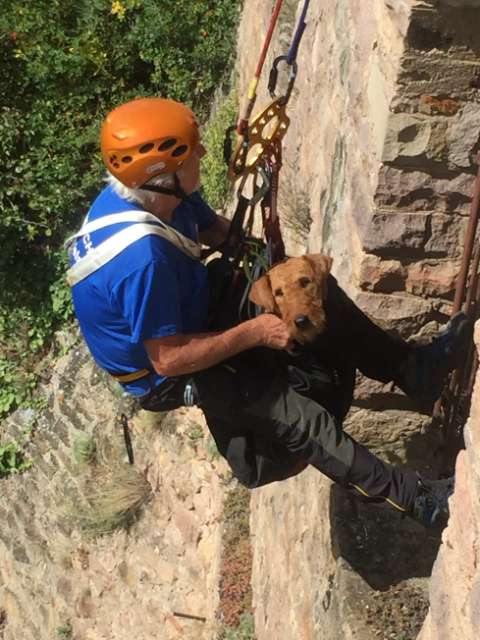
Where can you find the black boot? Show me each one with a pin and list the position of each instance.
(430, 506)
(427, 367)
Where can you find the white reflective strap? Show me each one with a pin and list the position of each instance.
(114, 245)
(134, 215)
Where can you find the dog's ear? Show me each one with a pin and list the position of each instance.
(261, 294)
(320, 264)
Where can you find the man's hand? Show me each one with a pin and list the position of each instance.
(273, 332)
(181, 354)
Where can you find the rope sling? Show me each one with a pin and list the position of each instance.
(256, 162)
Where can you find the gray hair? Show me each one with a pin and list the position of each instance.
(143, 197)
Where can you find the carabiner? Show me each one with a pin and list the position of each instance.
(260, 192)
(273, 78)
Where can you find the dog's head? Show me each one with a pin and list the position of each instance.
(295, 290)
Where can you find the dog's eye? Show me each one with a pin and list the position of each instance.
(304, 282)
(278, 293)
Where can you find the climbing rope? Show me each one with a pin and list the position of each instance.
(242, 127)
(259, 143)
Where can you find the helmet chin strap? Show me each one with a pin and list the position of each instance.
(177, 190)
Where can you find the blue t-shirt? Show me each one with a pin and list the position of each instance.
(150, 290)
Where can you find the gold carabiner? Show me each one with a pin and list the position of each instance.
(265, 131)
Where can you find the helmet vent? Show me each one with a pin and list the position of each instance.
(127, 159)
(168, 144)
(179, 151)
(145, 148)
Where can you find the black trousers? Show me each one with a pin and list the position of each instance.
(272, 414)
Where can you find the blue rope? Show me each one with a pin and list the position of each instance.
(292, 52)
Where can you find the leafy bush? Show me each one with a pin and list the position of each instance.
(12, 459)
(245, 630)
(64, 65)
(215, 184)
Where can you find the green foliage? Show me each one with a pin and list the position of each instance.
(84, 450)
(245, 630)
(12, 459)
(65, 631)
(64, 65)
(236, 514)
(212, 449)
(216, 186)
(194, 433)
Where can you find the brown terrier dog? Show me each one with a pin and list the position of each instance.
(295, 290)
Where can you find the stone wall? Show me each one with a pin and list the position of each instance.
(415, 231)
(54, 578)
(379, 169)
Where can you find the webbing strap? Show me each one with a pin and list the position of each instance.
(114, 245)
(293, 50)
(131, 377)
(186, 245)
(134, 215)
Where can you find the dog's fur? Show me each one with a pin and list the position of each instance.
(295, 290)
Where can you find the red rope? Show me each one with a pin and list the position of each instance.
(268, 37)
(242, 126)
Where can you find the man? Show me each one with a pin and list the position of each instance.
(142, 300)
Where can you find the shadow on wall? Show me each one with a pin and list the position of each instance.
(382, 546)
(456, 23)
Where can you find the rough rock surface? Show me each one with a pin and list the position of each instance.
(455, 584)
(122, 585)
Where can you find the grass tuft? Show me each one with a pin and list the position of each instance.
(113, 500)
(84, 450)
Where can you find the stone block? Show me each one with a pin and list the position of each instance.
(432, 278)
(435, 76)
(463, 136)
(399, 437)
(402, 313)
(414, 191)
(395, 231)
(447, 236)
(408, 136)
(433, 105)
(382, 276)
(418, 139)
(448, 27)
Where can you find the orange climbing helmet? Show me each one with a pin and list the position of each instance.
(146, 137)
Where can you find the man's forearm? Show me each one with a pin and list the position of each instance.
(194, 352)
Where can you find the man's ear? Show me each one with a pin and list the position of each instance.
(320, 264)
(261, 294)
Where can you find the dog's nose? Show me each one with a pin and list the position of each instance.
(301, 321)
